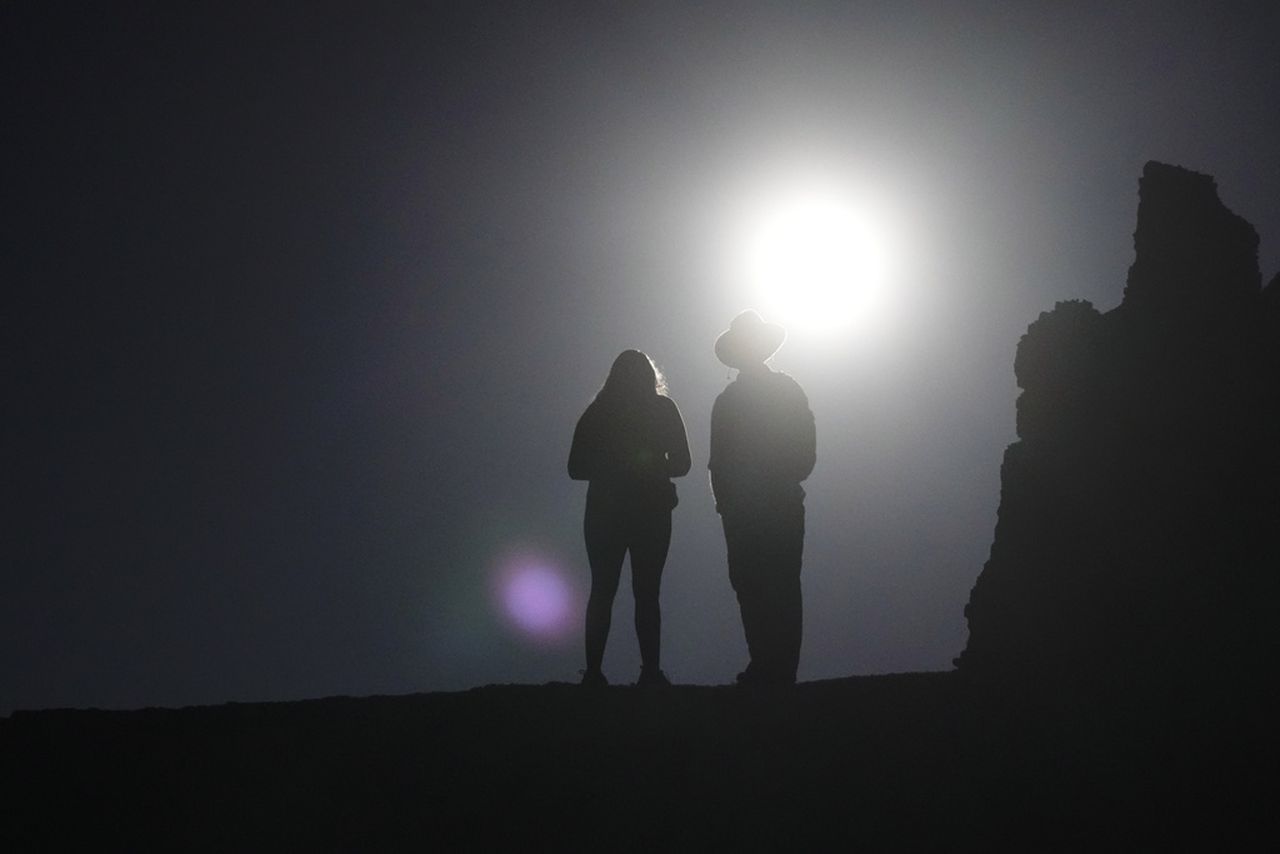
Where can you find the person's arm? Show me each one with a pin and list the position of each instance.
(806, 437)
(676, 442)
(716, 453)
(582, 453)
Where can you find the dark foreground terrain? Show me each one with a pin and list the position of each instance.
(910, 761)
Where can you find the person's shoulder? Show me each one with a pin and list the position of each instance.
(667, 409)
(726, 402)
(731, 391)
(592, 415)
(783, 379)
(788, 385)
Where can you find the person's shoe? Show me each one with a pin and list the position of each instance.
(755, 677)
(593, 679)
(652, 677)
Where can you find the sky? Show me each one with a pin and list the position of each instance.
(303, 304)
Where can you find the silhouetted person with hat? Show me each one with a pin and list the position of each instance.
(629, 444)
(762, 447)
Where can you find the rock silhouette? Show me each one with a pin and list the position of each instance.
(1138, 535)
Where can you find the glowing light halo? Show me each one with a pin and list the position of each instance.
(536, 599)
(813, 260)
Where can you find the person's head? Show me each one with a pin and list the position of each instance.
(633, 376)
(749, 341)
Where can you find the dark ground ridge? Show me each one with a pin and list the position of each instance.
(902, 761)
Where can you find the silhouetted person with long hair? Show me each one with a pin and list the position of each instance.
(629, 444)
(762, 446)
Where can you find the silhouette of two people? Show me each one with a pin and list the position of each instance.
(628, 444)
(631, 441)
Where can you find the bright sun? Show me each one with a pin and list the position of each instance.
(813, 261)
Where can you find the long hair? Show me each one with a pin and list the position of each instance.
(633, 376)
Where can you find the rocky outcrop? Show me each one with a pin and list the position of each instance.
(1139, 525)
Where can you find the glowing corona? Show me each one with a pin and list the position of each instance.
(813, 260)
(537, 600)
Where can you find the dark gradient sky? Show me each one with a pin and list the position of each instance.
(302, 306)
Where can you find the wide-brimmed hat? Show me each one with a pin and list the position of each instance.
(749, 340)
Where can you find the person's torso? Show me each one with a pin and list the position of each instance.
(762, 431)
(631, 455)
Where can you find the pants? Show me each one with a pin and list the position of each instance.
(765, 553)
(611, 531)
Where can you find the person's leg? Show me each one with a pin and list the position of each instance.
(606, 548)
(765, 554)
(787, 597)
(649, 545)
(744, 576)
